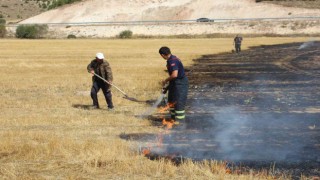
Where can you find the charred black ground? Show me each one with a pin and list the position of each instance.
(256, 108)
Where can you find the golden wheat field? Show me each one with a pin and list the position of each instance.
(43, 136)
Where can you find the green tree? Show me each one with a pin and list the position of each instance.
(31, 31)
(127, 34)
(3, 30)
(44, 6)
(71, 36)
(57, 3)
(2, 21)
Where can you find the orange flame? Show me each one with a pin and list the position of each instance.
(168, 123)
(166, 108)
(227, 169)
(146, 151)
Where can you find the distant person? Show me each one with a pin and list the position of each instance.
(237, 43)
(102, 68)
(178, 84)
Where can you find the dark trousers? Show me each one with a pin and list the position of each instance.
(178, 92)
(238, 47)
(97, 85)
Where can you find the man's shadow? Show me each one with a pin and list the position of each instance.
(82, 106)
(89, 106)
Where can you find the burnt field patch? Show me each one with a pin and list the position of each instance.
(278, 76)
(256, 109)
(259, 106)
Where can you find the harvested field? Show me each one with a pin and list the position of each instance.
(47, 132)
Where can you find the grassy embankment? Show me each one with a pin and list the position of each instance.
(44, 136)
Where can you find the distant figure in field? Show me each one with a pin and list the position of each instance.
(237, 43)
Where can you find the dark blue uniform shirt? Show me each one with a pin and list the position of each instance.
(174, 63)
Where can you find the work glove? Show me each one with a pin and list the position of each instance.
(164, 90)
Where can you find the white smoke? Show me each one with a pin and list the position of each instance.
(233, 123)
(151, 109)
(307, 44)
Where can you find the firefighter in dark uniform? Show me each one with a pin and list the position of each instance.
(237, 43)
(178, 84)
(102, 68)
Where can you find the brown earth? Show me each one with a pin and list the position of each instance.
(17, 10)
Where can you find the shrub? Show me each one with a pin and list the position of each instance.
(126, 34)
(2, 21)
(31, 31)
(3, 30)
(252, 24)
(71, 36)
(57, 3)
(44, 6)
(1, 16)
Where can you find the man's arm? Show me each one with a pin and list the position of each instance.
(90, 67)
(107, 72)
(173, 75)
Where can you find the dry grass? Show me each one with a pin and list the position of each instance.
(44, 137)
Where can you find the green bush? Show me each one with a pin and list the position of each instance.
(44, 6)
(3, 31)
(127, 34)
(2, 21)
(71, 36)
(57, 3)
(1, 16)
(31, 31)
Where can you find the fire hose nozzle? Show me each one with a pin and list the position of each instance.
(165, 89)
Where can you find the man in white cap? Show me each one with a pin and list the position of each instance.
(102, 68)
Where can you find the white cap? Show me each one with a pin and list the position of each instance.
(99, 56)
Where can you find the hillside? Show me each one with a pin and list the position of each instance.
(161, 10)
(311, 4)
(137, 10)
(17, 10)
